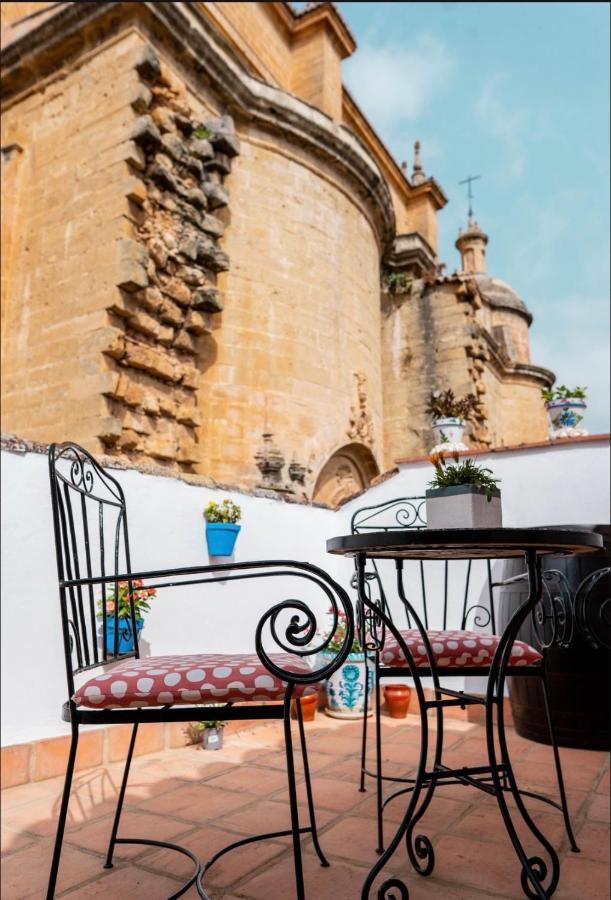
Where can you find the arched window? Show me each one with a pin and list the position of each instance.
(348, 471)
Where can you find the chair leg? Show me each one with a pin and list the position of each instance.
(115, 824)
(559, 775)
(63, 812)
(290, 768)
(308, 784)
(379, 799)
(364, 735)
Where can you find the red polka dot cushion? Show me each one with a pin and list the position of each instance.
(162, 680)
(454, 648)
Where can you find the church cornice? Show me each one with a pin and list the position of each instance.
(49, 46)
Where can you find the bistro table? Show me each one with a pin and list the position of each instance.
(538, 880)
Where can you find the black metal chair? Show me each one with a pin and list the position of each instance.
(91, 539)
(459, 652)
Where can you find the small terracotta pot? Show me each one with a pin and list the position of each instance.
(309, 704)
(397, 700)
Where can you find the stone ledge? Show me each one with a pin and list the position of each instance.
(536, 445)
(14, 444)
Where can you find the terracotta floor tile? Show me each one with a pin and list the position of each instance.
(340, 881)
(95, 836)
(251, 780)
(13, 840)
(205, 842)
(477, 864)
(593, 840)
(25, 873)
(598, 808)
(604, 787)
(330, 793)
(127, 881)
(353, 838)
(197, 802)
(582, 879)
(269, 815)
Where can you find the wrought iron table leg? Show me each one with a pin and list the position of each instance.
(559, 776)
(379, 799)
(364, 735)
(534, 870)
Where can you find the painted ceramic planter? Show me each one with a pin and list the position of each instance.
(449, 430)
(397, 700)
(346, 687)
(126, 634)
(565, 417)
(463, 506)
(221, 538)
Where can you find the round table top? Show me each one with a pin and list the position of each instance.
(465, 543)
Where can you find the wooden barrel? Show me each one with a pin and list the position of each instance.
(578, 675)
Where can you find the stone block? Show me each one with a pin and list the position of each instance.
(177, 290)
(196, 198)
(145, 323)
(220, 163)
(109, 429)
(213, 226)
(129, 440)
(216, 195)
(170, 312)
(191, 275)
(141, 100)
(148, 66)
(135, 190)
(160, 448)
(146, 134)
(194, 166)
(186, 342)
(113, 342)
(189, 415)
(150, 360)
(164, 120)
(197, 322)
(208, 299)
(134, 155)
(223, 136)
(188, 452)
(158, 252)
(174, 147)
(128, 391)
(150, 298)
(132, 265)
(201, 148)
(190, 377)
(185, 124)
(187, 245)
(138, 423)
(163, 177)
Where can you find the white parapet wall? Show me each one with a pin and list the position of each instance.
(550, 485)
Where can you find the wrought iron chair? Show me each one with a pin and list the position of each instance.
(459, 652)
(91, 540)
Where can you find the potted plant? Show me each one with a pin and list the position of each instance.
(462, 495)
(564, 408)
(345, 688)
(397, 700)
(221, 526)
(308, 703)
(450, 415)
(211, 731)
(141, 597)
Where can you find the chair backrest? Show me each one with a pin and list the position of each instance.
(91, 541)
(440, 591)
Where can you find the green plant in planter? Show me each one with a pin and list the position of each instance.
(444, 404)
(562, 392)
(466, 472)
(397, 282)
(227, 511)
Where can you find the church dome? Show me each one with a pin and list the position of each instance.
(500, 295)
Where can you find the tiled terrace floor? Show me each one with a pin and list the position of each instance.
(204, 800)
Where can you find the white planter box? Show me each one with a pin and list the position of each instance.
(463, 506)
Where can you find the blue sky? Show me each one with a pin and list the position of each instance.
(519, 94)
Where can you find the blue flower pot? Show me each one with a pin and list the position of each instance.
(221, 538)
(346, 687)
(126, 635)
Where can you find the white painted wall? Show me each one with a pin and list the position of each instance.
(564, 484)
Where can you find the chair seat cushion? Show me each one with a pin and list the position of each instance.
(172, 680)
(453, 649)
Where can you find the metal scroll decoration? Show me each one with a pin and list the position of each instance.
(393, 889)
(298, 637)
(593, 607)
(481, 619)
(562, 613)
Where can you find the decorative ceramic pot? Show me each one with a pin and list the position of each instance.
(126, 634)
(565, 416)
(397, 700)
(463, 506)
(346, 687)
(309, 704)
(449, 429)
(221, 538)
(212, 738)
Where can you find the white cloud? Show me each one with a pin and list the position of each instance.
(394, 84)
(506, 125)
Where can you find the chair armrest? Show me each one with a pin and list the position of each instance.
(297, 638)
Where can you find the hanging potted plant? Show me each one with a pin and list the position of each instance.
(565, 408)
(449, 417)
(141, 597)
(221, 527)
(345, 689)
(462, 495)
